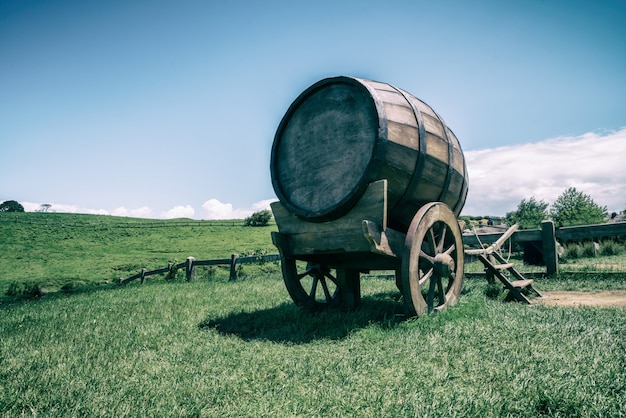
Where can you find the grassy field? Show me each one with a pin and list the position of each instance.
(54, 250)
(232, 349)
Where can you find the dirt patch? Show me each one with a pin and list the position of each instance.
(615, 298)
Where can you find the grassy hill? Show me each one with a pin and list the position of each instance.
(228, 349)
(52, 250)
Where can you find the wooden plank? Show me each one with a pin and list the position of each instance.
(372, 206)
(503, 266)
(550, 255)
(519, 236)
(400, 113)
(215, 262)
(496, 245)
(591, 231)
(340, 241)
(388, 242)
(521, 284)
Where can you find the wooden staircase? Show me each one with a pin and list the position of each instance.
(495, 265)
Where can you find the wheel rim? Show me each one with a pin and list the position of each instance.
(310, 285)
(432, 267)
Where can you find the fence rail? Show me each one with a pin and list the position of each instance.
(191, 263)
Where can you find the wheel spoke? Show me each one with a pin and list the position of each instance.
(431, 294)
(314, 287)
(425, 277)
(441, 295)
(450, 250)
(325, 288)
(430, 238)
(427, 257)
(307, 272)
(442, 239)
(332, 279)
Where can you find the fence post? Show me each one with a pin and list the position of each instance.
(143, 275)
(190, 269)
(550, 256)
(233, 267)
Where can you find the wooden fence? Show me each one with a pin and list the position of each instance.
(546, 237)
(191, 263)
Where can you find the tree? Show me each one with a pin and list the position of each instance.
(576, 208)
(11, 206)
(529, 214)
(260, 218)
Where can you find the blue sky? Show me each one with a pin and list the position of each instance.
(169, 108)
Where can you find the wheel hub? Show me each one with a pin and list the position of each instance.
(444, 265)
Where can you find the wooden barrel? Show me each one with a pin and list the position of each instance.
(342, 133)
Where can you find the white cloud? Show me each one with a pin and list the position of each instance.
(262, 205)
(593, 163)
(214, 209)
(179, 212)
(142, 212)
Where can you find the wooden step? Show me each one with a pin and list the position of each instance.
(505, 266)
(521, 284)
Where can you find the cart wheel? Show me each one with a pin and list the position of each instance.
(432, 265)
(313, 286)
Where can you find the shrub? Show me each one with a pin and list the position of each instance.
(611, 248)
(209, 273)
(493, 290)
(29, 290)
(11, 206)
(572, 252)
(260, 218)
(174, 273)
(589, 249)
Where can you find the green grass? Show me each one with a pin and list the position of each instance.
(211, 347)
(54, 250)
(233, 349)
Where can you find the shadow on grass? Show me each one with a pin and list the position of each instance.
(289, 324)
(37, 293)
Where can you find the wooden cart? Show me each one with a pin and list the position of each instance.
(427, 260)
(369, 178)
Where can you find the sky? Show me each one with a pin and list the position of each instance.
(167, 109)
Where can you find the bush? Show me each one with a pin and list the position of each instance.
(11, 206)
(590, 249)
(29, 290)
(493, 290)
(174, 274)
(260, 218)
(611, 248)
(572, 252)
